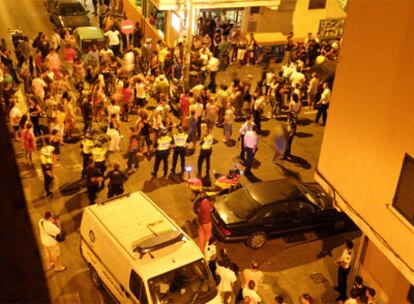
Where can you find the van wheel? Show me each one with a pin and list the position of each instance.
(96, 280)
(256, 240)
(339, 226)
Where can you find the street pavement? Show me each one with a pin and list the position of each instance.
(291, 265)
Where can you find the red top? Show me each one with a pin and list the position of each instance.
(126, 95)
(28, 140)
(204, 212)
(185, 105)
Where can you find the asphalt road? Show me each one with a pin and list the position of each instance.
(171, 194)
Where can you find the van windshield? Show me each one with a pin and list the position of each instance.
(189, 284)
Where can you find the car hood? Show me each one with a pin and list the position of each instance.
(225, 213)
(75, 21)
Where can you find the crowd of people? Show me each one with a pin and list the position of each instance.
(106, 87)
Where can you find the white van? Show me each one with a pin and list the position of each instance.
(141, 256)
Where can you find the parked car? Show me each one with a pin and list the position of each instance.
(263, 210)
(67, 14)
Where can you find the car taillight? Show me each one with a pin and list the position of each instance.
(225, 231)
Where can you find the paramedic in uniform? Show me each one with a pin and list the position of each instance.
(343, 263)
(206, 145)
(180, 145)
(162, 153)
(99, 157)
(87, 146)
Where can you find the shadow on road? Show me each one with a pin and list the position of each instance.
(252, 178)
(303, 135)
(304, 122)
(299, 161)
(78, 201)
(289, 173)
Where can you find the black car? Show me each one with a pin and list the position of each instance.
(274, 208)
(67, 14)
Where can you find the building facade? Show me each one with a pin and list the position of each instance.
(368, 138)
(270, 20)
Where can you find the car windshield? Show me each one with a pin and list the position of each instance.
(310, 196)
(72, 9)
(86, 45)
(189, 284)
(241, 203)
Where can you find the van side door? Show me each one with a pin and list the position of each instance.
(137, 287)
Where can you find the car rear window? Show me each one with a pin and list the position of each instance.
(72, 9)
(241, 203)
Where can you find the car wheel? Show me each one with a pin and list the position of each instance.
(339, 226)
(257, 240)
(96, 280)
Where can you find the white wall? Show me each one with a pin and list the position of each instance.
(371, 121)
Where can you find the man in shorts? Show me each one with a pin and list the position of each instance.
(49, 228)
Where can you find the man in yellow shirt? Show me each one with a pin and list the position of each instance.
(180, 145)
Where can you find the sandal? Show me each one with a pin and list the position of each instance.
(50, 267)
(62, 268)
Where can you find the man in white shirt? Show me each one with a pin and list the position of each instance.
(49, 228)
(113, 39)
(15, 116)
(227, 280)
(297, 77)
(198, 109)
(343, 263)
(250, 145)
(212, 66)
(323, 104)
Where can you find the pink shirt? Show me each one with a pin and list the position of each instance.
(69, 54)
(204, 212)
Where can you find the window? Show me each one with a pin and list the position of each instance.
(277, 213)
(302, 208)
(404, 196)
(317, 4)
(137, 287)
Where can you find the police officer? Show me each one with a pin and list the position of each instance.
(86, 146)
(180, 145)
(206, 146)
(163, 150)
(116, 181)
(47, 164)
(99, 156)
(94, 181)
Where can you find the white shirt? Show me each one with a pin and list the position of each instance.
(129, 61)
(252, 275)
(259, 103)
(253, 296)
(251, 139)
(15, 116)
(113, 109)
(48, 232)
(140, 89)
(326, 96)
(227, 278)
(351, 301)
(113, 37)
(346, 258)
(297, 78)
(213, 64)
(197, 108)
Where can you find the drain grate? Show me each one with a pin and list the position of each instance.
(318, 278)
